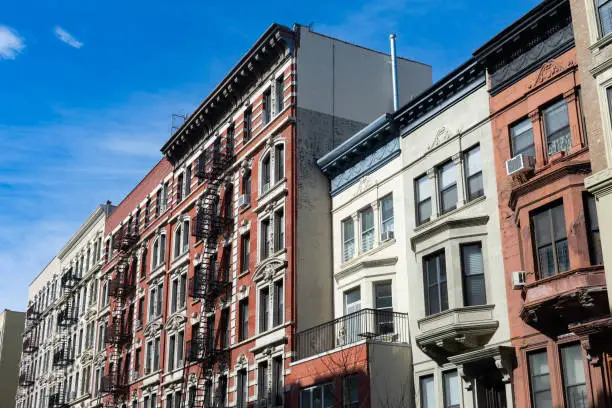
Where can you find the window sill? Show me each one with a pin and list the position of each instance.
(428, 224)
(602, 42)
(279, 188)
(156, 272)
(243, 274)
(276, 254)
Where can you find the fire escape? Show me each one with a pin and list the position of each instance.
(119, 333)
(63, 356)
(30, 346)
(209, 280)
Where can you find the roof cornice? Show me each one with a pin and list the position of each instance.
(97, 215)
(211, 110)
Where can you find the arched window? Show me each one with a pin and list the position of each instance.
(158, 256)
(185, 235)
(228, 202)
(266, 179)
(178, 241)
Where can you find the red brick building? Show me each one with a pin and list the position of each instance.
(554, 270)
(223, 251)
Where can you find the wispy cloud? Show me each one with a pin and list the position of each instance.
(11, 43)
(53, 175)
(66, 37)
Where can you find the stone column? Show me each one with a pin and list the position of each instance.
(377, 229)
(431, 174)
(575, 120)
(539, 139)
(461, 189)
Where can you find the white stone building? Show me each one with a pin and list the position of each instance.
(61, 321)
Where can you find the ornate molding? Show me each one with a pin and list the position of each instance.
(152, 329)
(269, 269)
(442, 135)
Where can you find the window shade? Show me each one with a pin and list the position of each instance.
(474, 163)
(447, 175)
(424, 188)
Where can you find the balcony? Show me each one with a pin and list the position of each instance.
(118, 334)
(26, 378)
(456, 331)
(555, 302)
(30, 345)
(366, 324)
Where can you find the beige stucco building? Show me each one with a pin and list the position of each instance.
(11, 327)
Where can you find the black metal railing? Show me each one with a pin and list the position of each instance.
(118, 333)
(32, 313)
(125, 238)
(26, 378)
(367, 324)
(69, 280)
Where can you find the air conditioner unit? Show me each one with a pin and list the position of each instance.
(244, 201)
(265, 187)
(519, 279)
(387, 235)
(520, 163)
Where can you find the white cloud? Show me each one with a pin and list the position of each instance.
(11, 43)
(66, 37)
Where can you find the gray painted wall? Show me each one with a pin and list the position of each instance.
(390, 375)
(341, 88)
(11, 327)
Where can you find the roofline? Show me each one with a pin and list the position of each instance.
(366, 48)
(330, 159)
(522, 23)
(97, 214)
(275, 27)
(43, 269)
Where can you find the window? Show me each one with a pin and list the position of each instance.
(348, 239)
(473, 173)
(153, 400)
(574, 379)
(557, 129)
(277, 381)
(428, 392)
(191, 397)
(550, 240)
(352, 305)
(452, 390)
(423, 198)
(265, 239)
(279, 230)
(155, 300)
(447, 178)
(158, 202)
(224, 328)
(179, 188)
(265, 174)
(262, 380)
(243, 312)
(149, 357)
(592, 224)
(246, 186)
(245, 252)
(159, 251)
(383, 302)
(156, 353)
(279, 162)
(352, 300)
(247, 122)
(177, 293)
(187, 180)
(242, 389)
(522, 138)
(279, 306)
(171, 351)
(386, 224)
(137, 357)
(434, 271)
(222, 391)
(604, 9)
(539, 376)
(266, 110)
(279, 90)
(366, 218)
(319, 396)
(350, 391)
(472, 269)
(169, 401)
(147, 212)
(264, 305)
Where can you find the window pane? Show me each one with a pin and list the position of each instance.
(424, 211)
(574, 378)
(558, 218)
(423, 188)
(473, 275)
(473, 163)
(367, 229)
(428, 392)
(605, 17)
(562, 255)
(448, 200)
(351, 392)
(522, 138)
(447, 175)
(475, 187)
(542, 228)
(556, 121)
(383, 295)
(593, 230)
(540, 380)
(452, 390)
(352, 300)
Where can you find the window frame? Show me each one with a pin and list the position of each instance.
(548, 208)
(350, 241)
(598, 7)
(479, 174)
(567, 127)
(364, 232)
(441, 265)
(420, 202)
(513, 136)
(441, 191)
(532, 392)
(263, 309)
(389, 220)
(593, 229)
(465, 277)
(564, 379)
(243, 319)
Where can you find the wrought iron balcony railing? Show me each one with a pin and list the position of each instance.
(367, 324)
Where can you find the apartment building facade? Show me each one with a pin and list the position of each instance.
(58, 342)
(217, 256)
(419, 297)
(555, 278)
(11, 328)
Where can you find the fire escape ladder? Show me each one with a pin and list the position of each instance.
(208, 282)
(119, 334)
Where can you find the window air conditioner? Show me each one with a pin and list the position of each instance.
(520, 163)
(518, 279)
(243, 201)
(387, 235)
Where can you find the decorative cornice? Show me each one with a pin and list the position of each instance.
(600, 183)
(448, 224)
(365, 264)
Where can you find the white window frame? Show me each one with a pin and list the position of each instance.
(175, 304)
(158, 254)
(181, 235)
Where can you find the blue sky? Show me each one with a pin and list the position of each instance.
(87, 89)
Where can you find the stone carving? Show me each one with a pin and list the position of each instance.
(175, 322)
(364, 184)
(548, 70)
(152, 329)
(242, 360)
(442, 135)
